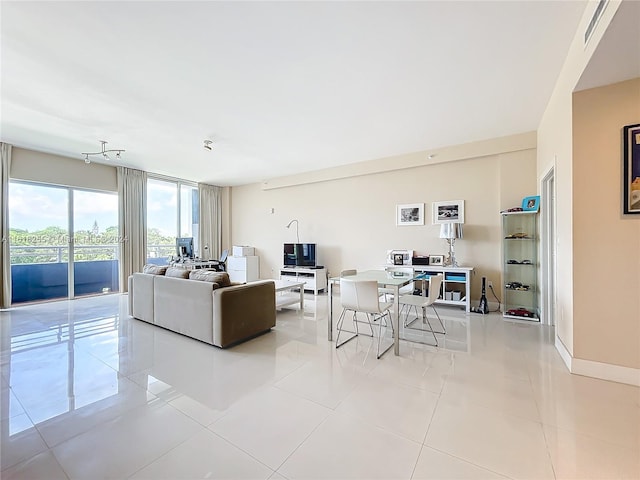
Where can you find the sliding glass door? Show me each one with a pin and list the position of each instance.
(95, 245)
(64, 242)
(39, 236)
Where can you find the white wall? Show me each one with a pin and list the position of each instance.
(352, 218)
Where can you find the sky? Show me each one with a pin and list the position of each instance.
(36, 207)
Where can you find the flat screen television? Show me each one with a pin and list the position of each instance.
(299, 255)
(306, 255)
(184, 247)
(289, 259)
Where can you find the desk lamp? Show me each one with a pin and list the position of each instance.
(289, 226)
(451, 231)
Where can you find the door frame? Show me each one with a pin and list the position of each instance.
(548, 299)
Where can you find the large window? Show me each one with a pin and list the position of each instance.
(172, 211)
(63, 242)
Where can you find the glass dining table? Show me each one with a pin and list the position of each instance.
(388, 280)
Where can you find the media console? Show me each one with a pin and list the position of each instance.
(315, 279)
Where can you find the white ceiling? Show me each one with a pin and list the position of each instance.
(280, 87)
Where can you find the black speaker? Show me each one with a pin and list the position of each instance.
(483, 307)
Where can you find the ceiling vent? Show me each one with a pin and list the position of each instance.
(594, 20)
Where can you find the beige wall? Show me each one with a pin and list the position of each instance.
(47, 168)
(606, 330)
(591, 341)
(352, 219)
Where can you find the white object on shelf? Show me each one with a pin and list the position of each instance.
(314, 278)
(243, 269)
(243, 251)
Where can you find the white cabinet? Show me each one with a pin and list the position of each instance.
(243, 269)
(456, 284)
(314, 278)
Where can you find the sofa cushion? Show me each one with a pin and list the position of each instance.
(206, 276)
(177, 272)
(154, 269)
(221, 278)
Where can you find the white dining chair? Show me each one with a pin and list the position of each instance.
(362, 296)
(422, 302)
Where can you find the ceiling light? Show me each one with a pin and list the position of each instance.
(207, 145)
(103, 152)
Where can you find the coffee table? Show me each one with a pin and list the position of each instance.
(285, 293)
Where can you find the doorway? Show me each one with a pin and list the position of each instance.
(548, 247)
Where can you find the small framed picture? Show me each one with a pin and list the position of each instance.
(398, 259)
(631, 167)
(436, 260)
(531, 204)
(410, 214)
(451, 211)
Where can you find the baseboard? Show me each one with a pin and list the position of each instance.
(606, 371)
(564, 353)
(603, 371)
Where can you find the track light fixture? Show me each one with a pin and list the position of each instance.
(104, 152)
(207, 145)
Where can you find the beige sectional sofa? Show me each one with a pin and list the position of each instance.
(208, 308)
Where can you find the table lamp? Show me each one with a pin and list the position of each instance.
(451, 231)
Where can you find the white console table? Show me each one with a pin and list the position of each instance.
(456, 282)
(313, 278)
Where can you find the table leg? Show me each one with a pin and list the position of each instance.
(396, 320)
(330, 321)
(302, 297)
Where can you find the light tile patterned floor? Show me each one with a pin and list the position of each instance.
(88, 392)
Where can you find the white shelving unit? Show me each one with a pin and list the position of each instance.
(456, 284)
(520, 265)
(315, 279)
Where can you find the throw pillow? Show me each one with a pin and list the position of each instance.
(154, 269)
(203, 276)
(177, 272)
(221, 278)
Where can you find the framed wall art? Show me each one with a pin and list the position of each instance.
(410, 214)
(451, 211)
(631, 168)
(436, 260)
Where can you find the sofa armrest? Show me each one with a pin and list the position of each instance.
(243, 311)
(141, 296)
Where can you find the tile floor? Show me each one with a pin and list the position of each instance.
(89, 393)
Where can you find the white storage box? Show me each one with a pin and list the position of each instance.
(243, 251)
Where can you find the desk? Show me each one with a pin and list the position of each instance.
(283, 286)
(385, 280)
(200, 264)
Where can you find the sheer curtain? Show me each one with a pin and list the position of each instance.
(5, 259)
(210, 219)
(132, 209)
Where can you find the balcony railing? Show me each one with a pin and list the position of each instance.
(41, 272)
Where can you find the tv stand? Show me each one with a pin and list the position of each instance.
(315, 279)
